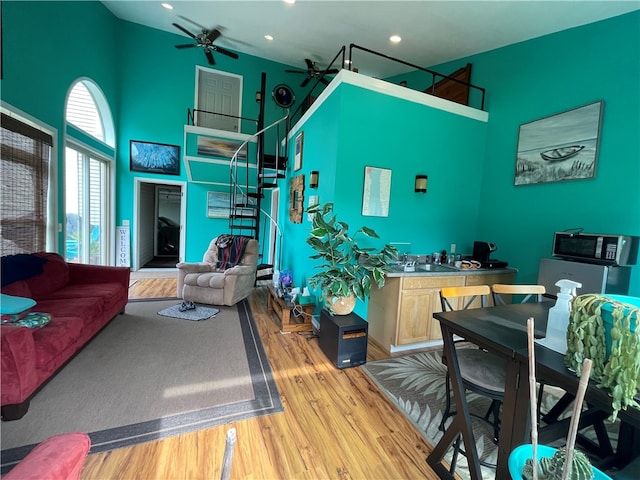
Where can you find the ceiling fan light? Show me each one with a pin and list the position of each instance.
(168, 6)
(268, 37)
(395, 39)
(290, 2)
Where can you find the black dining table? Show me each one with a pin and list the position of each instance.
(503, 331)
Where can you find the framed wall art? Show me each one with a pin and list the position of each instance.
(221, 148)
(377, 192)
(219, 204)
(296, 199)
(559, 147)
(297, 159)
(154, 157)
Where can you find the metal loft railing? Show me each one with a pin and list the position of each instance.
(339, 63)
(433, 74)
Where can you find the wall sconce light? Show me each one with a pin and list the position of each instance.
(421, 183)
(314, 179)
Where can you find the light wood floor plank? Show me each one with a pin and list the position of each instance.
(336, 424)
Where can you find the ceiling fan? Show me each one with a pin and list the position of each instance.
(205, 40)
(313, 71)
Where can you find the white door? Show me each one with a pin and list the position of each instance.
(218, 92)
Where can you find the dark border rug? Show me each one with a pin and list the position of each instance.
(231, 392)
(415, 383)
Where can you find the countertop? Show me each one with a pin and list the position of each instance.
(446, 271)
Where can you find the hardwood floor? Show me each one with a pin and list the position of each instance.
(336, 424)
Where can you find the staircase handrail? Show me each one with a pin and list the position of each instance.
(233, 164)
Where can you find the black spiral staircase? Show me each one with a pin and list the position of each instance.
(246, 215)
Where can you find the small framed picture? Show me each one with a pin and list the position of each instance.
(297, 159)
(154, 157)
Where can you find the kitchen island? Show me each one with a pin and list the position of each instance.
(400, 314)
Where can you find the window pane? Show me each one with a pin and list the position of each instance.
(86, 208)
(83, 112)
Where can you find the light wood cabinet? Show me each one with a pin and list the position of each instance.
(400, 314)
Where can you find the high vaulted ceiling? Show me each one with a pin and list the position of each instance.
(432, 32)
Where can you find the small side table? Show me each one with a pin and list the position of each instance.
(284, 317)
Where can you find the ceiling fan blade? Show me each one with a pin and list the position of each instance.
(184, 30)
(225, 51)
(209, 55)
(213, 34)
(187, 45)
(305, 81)
(333, 71)
(294, 71)
(309, 64)
(235, 40)
(192, 22)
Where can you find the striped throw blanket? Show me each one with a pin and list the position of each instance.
(230, 250)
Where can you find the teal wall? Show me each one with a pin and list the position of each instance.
(356, 128)
(46, 47)
(542, 77)
(149, 86)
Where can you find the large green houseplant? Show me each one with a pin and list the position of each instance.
(347, 268)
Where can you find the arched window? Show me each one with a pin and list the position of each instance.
(89, 159)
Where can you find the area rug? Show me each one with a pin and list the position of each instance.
(416, 385)
(146, 377)
(196, 314)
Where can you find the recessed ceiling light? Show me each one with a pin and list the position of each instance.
(290, 2)
(168, 6)
(395, 39)
(268, 37)
(347, 62)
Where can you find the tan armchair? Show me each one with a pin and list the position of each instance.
(203, 282)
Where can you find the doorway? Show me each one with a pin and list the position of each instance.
(159, 217)
(219, 92)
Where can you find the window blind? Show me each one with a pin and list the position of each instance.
(25, 153)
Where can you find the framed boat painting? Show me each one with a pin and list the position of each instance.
(560, 147)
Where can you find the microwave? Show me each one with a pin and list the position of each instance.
(596, 248)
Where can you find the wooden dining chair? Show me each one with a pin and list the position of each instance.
(482, 372)
(530, 292)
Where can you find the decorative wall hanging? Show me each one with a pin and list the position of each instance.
(559, 147)
(219, 204)
(283, 96)
(297, 159)
(221, 148)
(377, 191)
(154, 157)
(296, 199)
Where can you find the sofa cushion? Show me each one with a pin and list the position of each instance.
(60, 457)
(10, 305)
(90, 309)
(18, 289)
(54, 277)
(54, 338)
(73, 291)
